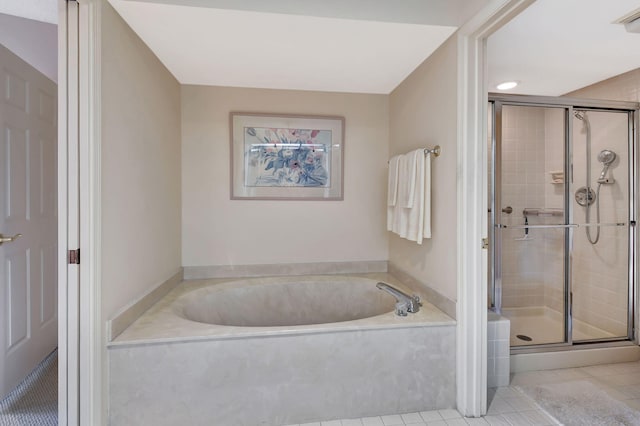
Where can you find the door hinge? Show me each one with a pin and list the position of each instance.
(485, 243)
(74, 257)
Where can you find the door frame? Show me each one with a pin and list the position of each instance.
(472, 259)
(68, 321)
(81, 335)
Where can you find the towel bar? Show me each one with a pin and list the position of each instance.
(435, 151)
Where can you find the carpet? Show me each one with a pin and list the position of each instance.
(35, 400)
(581, 403)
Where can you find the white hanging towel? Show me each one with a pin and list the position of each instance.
(392, 189)
(412, 212)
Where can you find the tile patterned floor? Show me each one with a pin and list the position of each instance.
(509, 407)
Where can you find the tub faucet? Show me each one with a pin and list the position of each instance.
(405, 303)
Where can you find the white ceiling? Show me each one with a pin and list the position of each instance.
(553, 47)
(557, 46)
(39, 10)
(243, 48)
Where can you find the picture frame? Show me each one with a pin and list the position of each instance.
(286, 157)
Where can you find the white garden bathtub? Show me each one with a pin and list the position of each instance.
(274, 351)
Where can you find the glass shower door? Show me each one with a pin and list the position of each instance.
(563, 219)
(600, 246)
(531, 229)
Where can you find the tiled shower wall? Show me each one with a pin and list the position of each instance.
(554, 200)
(523, 185)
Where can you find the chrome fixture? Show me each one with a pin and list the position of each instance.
(405, 303)
(436, 150)
(585, 196)
(606, 157)
(507, 210)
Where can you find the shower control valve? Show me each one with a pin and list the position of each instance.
(585, 196)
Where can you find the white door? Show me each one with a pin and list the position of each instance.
(28, 183)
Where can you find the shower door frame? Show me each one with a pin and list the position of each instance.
(496, 102)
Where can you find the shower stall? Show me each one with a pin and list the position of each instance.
(562, 219)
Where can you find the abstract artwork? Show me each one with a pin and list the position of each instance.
(286, 157)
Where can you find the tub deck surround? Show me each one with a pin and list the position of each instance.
(167, 321)
(166, 369)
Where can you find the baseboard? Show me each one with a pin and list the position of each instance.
(575, 358)
(441, 302)
(127, 315)
(321, 268)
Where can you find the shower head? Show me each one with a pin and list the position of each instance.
(606, 157)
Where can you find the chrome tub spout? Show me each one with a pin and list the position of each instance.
(405, 303)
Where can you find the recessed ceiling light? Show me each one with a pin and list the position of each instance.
(507, 85)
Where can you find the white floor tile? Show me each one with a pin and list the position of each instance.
(456, 422)
(310, 424)
(430, 416)
(331, 423)
(499, 406)
(521, 403)
(411, 418)
(392, 420)
(622, 379)
(352, 422)
(437, 423)
(507, 391)
(496, 421)
(516, 419)
(372, 421)
(476, 421)
(449, 414)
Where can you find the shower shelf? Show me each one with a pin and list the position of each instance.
(557, 176)
(542, 212)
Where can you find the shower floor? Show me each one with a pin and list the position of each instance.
(544, 325)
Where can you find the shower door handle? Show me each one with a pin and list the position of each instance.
(501, 226)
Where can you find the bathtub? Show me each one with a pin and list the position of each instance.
(283, 350)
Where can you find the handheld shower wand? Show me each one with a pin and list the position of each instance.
(606, 157)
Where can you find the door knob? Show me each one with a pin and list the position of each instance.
(4, 239)
(507, 210)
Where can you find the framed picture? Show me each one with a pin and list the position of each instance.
(286, 157)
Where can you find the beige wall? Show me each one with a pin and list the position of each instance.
(623, 87)
(220, 231)
(423, 113)
(140, 167)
